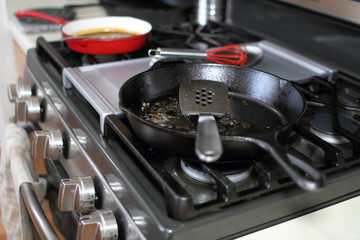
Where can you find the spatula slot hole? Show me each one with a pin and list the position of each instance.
(203, 96)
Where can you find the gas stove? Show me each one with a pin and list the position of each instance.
(102, 174)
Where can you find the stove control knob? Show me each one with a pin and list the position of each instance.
(76, 194)
(99, 225)
(19, 91)
(46, 144)
(27, 110)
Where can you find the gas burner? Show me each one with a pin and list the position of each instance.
(234, 176)
(322, 126)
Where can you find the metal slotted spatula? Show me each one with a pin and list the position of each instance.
(206, 99)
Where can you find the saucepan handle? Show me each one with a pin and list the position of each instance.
(293, 165)
(47, 17)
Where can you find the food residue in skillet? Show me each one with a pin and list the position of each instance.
(165, 112)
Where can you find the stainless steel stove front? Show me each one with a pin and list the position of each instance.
(61, 134)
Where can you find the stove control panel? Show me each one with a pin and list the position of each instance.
(27, 104)
(76, 194)
(99, 225)
(27, 110)
(46, 144)
(19, 91)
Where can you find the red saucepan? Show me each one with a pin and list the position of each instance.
(100, 35)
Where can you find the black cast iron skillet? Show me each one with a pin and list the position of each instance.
(262, 105)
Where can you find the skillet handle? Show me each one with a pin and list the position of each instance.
(208, 145)
(314, 183)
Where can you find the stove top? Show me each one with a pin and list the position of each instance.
(158, 195)
(327, 136)
(99, 83)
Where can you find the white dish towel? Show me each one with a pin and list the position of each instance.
(16, 167)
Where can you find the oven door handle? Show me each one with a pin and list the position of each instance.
(36, 213)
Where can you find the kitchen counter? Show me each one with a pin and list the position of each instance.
(339, 221)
